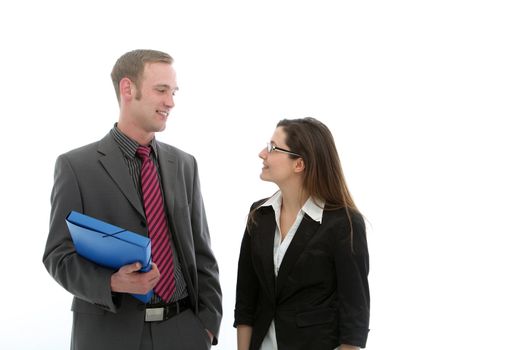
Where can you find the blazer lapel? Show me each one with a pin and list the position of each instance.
(265, 233)
(304, 233)
(112, 160)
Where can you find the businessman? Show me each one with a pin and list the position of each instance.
(131, 180)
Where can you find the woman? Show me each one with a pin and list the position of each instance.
(303, 266)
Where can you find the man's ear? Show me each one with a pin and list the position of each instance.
(299, 165)
(126, 89)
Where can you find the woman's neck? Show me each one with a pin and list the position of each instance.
(293, 199)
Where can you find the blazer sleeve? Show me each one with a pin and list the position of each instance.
(351, 263)
(247, 285)
(82, 278)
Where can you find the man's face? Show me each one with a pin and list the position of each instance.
(152, 104)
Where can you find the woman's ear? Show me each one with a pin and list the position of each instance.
(299, 165)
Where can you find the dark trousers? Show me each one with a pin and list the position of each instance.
(187, 332)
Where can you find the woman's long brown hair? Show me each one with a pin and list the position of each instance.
(323, 176)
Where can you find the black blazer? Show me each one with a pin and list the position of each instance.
(320, 298)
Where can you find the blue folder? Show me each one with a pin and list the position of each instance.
(108, 245)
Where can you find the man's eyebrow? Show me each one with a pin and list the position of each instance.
(166, 86)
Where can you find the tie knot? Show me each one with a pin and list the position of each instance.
(143, 152)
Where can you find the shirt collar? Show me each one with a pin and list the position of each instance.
(313, 209)
(128, 145)
(310, 207)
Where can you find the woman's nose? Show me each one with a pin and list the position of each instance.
(263, 154)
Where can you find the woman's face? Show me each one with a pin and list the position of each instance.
(278, 167)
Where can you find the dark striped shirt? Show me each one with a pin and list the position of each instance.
(129, 150)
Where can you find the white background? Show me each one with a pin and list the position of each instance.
(425, 100)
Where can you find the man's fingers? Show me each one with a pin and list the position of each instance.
(131, 267)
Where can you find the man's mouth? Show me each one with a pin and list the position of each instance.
(164, 113)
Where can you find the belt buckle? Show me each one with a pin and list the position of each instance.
(154, 314)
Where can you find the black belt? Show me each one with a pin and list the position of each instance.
(163, 312)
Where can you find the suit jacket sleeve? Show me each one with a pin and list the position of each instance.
(77, 275)
(209, 291)
(351, 263)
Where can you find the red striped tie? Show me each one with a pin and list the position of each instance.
(157, 224)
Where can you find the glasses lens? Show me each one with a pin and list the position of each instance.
(269, 147)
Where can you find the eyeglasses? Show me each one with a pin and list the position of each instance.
(270, 148)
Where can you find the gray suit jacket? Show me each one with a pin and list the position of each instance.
(95, 180)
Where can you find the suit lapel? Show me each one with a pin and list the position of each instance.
(168, 173)
(304, 233)
(112, 160)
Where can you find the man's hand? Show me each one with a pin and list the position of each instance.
(210, 335)
(128, 279)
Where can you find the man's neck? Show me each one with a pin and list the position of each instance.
(135, 133)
